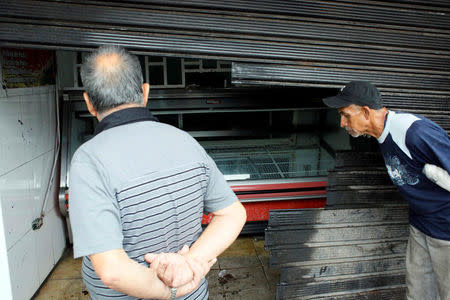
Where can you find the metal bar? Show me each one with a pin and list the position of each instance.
(215, 110)
(279, 186)
(280, 195)
(275, 163)
(180, 121)
(351, 177)
(222, 133)
(321, 195)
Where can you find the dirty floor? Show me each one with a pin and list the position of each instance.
(241, 273)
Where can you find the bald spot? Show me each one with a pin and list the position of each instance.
(108, 65)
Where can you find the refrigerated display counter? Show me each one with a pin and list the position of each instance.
(267, 144)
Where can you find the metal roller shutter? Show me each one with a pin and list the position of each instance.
(401, 46)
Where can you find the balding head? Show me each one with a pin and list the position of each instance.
(111, 77)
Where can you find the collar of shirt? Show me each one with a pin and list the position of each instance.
(387, 125)
(124, 116)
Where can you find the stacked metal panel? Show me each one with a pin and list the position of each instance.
(360, 179)
(352, 249)
(345, 253)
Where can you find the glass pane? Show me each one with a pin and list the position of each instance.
(209, 64)
(174, 75)
(155, 59)
(191, 67)
(156, 75)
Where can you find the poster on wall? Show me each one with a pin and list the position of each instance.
(27, 67)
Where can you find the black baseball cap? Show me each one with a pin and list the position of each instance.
(361, 93)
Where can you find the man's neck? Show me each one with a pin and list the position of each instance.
(117, 108)
(378, 122)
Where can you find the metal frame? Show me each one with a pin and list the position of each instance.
(163, 63)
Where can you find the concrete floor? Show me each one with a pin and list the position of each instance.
(241, 272)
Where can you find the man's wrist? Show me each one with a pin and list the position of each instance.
(173, 293)
(168, 292)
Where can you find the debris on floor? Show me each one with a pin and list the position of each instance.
(241, 272)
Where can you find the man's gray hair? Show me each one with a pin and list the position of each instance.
(116, 83)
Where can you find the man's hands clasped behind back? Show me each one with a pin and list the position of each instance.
(179, 270)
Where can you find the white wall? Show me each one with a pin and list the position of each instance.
(27, 149)
(5, 279)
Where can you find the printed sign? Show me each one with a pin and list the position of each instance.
(27, 67)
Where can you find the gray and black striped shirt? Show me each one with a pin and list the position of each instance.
(142, 186)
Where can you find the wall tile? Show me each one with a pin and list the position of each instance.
(23, 267)
(11, 142)
(44, 248)
(5, 280)
(16, 204)
(41, 169)
(39, 124)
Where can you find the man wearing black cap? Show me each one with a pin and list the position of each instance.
(416, 152)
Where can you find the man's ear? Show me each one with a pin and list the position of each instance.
(145, 92)
(366, 112)
(89, 105)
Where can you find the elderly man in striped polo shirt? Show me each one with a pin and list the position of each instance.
(140, 186)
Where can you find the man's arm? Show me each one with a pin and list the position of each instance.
(430, 145)
(437, 175)
(118, 272)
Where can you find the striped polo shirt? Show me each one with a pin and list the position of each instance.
(141, 186)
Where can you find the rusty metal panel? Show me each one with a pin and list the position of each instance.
(341, 270)
(335, 234)
(384, 12)
(303, 217)
(313, 253)
(391, 286)
(327, 76)
(360, 178)
(344, 253)
(229, 24)
(422, 93)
